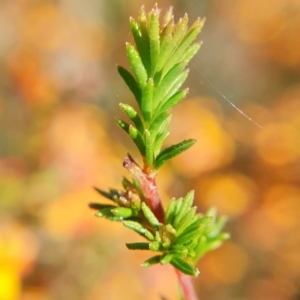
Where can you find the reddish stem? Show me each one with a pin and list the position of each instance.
(186, 286)
(148, 186)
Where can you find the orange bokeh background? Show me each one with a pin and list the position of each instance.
(59, 94)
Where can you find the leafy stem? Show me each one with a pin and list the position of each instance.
(179, 235)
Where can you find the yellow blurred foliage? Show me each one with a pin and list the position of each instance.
(10, 285)
(226, 265)
(282, 205)
(231, 193)
(214, 148)
(34, 84)
(18, 250)
(259, 22)
(278, 144)
(274, 24)
(70, 214)
(82, 153)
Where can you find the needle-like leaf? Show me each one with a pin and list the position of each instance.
(133, 115)
(184, 266)
(154, 37)
(137, 246)
(147, 101)
(131, 83)
(151, 261)
(137, 65)
(173, 151)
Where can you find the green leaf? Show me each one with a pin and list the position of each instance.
(157, 123)
(134, 135)
(188, 219)
(163, 133)
(166, 258)
(151, 261)
(173, 151)
(184, 266)
(106, 213)
(154, 246)
(122, 212)
(167, 17)
(122, 124)
(142, 19)
(197, 225)
(216, 224)
(137, 65)
(112, 195)
(99, 206)
(150, 215)
(154, 37)
(160, 138)
(138, 228)
(137, 139)
(137, 246)
(180, 250)
(136, 184)
(166, 84)
(180, 30)
(131, 83)
(141, 40)
(189, 37)
(127, 184)
(205, 244)
(175, 86)
(173, 100)
(147, 101)
(212, 212)
(190, 236)
(218, 241)
(185, 207)
(149, 148)
(166, 43)
(217, 227)
(133, 115)
(191, 52)
(191, 245)
(177, 208)
(169, 214)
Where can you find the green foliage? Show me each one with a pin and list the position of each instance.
(212, 237)
(184, 236)
(181, 240)
(158, 63)
(127, 203)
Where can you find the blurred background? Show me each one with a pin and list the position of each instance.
(59, 94)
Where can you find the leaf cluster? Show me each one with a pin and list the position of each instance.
(180, 240)
(126, 203)
(158, 63)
